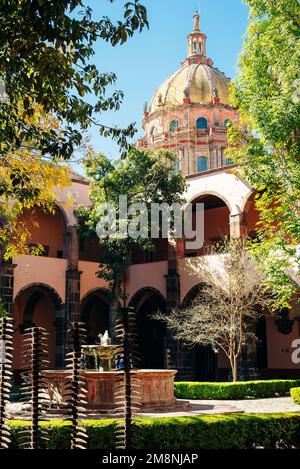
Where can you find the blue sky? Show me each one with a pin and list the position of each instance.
(150, 57)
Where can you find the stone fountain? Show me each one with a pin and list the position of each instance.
(103, 353)
(157, 386)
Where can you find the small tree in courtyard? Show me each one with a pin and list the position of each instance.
(232, 298)
(145, 178)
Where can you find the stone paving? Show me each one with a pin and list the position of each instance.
(279, 404)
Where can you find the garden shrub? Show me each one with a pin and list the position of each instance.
(295, 393)
(239, 390)
(240, 431)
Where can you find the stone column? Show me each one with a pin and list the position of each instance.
(73, 295)
(7, 286)
(72, 275)
(71, 310)
(235, 225)
(178, 357)
(61, 333)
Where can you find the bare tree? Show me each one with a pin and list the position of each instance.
(231, 298)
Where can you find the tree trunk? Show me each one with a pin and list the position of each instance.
(235, 369)
(114, 309)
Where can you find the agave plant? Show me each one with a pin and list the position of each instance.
(6, 331)
(34, 388)
(127, 388)
(75, 391)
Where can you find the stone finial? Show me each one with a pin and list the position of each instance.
(196, 21)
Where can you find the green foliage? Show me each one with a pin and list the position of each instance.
(295, 394)
(46, 51)
(267, 93)
(239, 390)
(205, 432)
(3, 312)
(144, 178)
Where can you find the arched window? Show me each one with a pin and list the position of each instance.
(177, 167)
(201, 123)
(174, 125)
(227, 123)
(202, 164)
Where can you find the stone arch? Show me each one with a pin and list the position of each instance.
(44, 287)
(217, 223)
(39, 304)
(247, 202)
(204, 359)
(47, 229)
(232, 208)
(152, 333)
(141, 294)
(94, 312)
(250, 216)
(192, 294)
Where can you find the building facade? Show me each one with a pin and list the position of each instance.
(189, 114)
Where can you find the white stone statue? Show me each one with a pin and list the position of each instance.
(196, 21)
(105, 340)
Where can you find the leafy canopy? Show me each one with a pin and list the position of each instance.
(46, 50)
(267, 93)
(27, 180)
(144, 177)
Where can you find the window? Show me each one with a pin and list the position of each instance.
(228, 162)
(201, 123)
(227, 123)
(177, 167)
(201, 164)
(174, 125)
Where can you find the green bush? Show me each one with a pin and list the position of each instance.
(239, 390)
(199, 432)
(295, 393)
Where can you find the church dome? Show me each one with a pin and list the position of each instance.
(197, 82)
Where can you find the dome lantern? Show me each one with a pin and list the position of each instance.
(196, 42)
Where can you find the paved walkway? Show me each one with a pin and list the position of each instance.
(279, 404)
(265, 406)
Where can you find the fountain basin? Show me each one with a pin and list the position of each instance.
(157, 388)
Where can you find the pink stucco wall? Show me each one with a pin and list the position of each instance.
(147, 275)
(88, 279)
(46, 270)
(45, 228)
(138, 276)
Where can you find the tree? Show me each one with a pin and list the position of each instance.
(145, 178)
(267, 141)
(27, 180)
(232, 297)
(46, 49)
(46, 72)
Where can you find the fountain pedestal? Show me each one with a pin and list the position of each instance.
(157, 388)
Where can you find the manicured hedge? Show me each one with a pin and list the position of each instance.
(295, 393)
(239, 390)
(200, 432)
